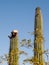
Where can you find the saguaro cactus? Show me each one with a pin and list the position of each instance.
(38, 38)
(13, 51)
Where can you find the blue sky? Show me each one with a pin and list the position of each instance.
(20, 14)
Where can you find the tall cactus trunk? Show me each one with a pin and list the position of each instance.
(38, 38)
(13, 51)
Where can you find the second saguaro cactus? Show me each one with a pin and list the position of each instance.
(13, 51)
